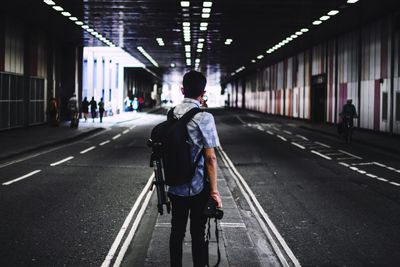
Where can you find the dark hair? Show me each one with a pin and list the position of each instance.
(194, 84)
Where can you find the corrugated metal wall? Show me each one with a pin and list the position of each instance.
(357, 65)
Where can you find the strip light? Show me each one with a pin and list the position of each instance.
(78, 22)
(141, 49)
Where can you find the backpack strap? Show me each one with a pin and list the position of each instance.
(189, 115)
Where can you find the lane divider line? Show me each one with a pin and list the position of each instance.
(321, 155)
(287, 132)
(132, 127)
(251, 198)
(240, 119)
(126, 131)
(61, 161)
(322, 144)
(87, 150)
(302, 137)
(298, 145)
(116, 137)
(120, 235)
(105, 142)
(269, 132)
(281, 137)
(352, 155)
(21, 178)
(132, 232)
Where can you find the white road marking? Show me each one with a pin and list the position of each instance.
(61, 161)
(276, 129)
(21, 178)
(321, 155)
(250, 198)
(362, 163)
(302, 137)
(105, 142)
(116, 137)
(232, 225)
(394, 183)
(379, 164)
(287, 132)
(132, 127)
(345, 158)
(87, 150)
(352, 155)
(126, 131)
(269, 132)
(344, 164)
(281, 137)
(298, 145)
(322, 144)
(240, 119)
(382, 179)
(362, 172)
(371, 175)
(354, 168)
(118, 239)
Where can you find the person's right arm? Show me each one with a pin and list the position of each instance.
(211, 167)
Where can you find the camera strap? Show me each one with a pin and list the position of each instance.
(208, 237)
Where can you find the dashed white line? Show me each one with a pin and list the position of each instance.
(302, 137)
(354, 168)
(298, 145)
(361, 171)
(126, 131)
(21, 178)
(362, 163)
(394, 183)
(352, 155)
(287, 132)
(344, 164)
(240, 119)
(87, 150)
(322, 144)
(321, 155)
(61, 161)
(105, 142)
(132, 127)
(371, 175)
(379, 164)
(382, 179)
(116, 137)
(276, 129)
(269, 132)
(281, 137)
(232, 225)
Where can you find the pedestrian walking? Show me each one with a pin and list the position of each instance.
(85, 108)
(73, 111)
(101, 109)
(93, 108)
(190, 199)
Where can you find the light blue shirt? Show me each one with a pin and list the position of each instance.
(203, 134)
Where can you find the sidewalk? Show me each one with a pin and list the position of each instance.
(19, 141)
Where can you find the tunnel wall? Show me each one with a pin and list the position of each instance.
(361, 65)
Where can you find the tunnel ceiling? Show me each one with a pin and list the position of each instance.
(253, 25)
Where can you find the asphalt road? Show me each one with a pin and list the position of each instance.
(334, 204)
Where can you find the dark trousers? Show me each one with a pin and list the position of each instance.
(182, 207)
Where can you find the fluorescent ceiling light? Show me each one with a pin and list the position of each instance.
(324, 18)
(200, 45)
(85, 27)
(207, 4)
(73, 18)
(188, 62)
(89, 30)
(253, 61)
(199, 50)
(304, 30)
(201, 40)
(141, 49)
(66, 14)
(333, 12)
(80, 23)
(205, 15)
(172, 65)
(352, 1)
(203, 28)
(197, 60)
(185, 3)
(187, 54)
(294, 36)
(186, 24)
(203, 24)
(206, 10)
(58, 8)
(49, 2)
(228, 40)
(260, 56)
(317, 22)
(187, 47)
(289, 39)
(299, 33)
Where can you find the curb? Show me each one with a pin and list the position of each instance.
(50, 144)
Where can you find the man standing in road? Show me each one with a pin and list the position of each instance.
(191, 198)
(93, 108)
(349, 112)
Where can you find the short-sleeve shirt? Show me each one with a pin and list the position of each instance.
(203, 134)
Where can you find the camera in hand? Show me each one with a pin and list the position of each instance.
(211, 210)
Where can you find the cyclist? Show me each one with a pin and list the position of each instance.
(348, 114)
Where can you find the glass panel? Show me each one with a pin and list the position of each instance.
(384, 106)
